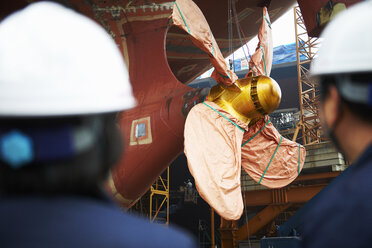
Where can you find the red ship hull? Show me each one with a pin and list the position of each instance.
(160, 58)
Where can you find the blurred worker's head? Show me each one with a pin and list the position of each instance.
(344, 71)
(62, 81)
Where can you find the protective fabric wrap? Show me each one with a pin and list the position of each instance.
(262, 59)
(216, 147)
(213, 150)
(187, 16)
(217, 144)
(259, 157)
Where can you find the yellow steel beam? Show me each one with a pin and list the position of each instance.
(159, 192)
(299, 194)
(212, 229)
(227, 230)
(315, 176)
(259, 221)
(159, 188)
(158, 209)
(277, 200)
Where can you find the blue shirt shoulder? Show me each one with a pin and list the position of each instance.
(341, 215)
(79, 222)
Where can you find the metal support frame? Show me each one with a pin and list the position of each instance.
(213, 241)
(297, 194)
(275, 202)
(158, 197)
(260, 220)
(228, 229)
(308, 92)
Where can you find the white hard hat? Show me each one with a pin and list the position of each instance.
(54, 61)
(347, 44)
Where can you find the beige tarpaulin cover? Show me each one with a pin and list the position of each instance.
(258, 156)
(213, 146)
(261, 61)
(213, 150)
(267, 162)
(187, 16)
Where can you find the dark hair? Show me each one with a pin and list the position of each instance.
(80, 174)
(361, 111)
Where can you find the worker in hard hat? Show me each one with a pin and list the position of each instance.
(62, 79)
(340, 216)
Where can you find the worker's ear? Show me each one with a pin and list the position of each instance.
(331, 107)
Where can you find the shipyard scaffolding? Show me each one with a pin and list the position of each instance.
(154, 205)
(267, 211)
(306, 47)
(308, 129)
(159, 199)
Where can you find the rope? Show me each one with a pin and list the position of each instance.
(225, 117)
(246, 221)
(263, 58)
(229, 17)
(233, 62)
(256, 133)
(249, 54)
(299, 158)
(183, 18)
(267, 21)
(242, 32)
(210, 33)
(271, 159)
(224, 75)
(237, 26)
